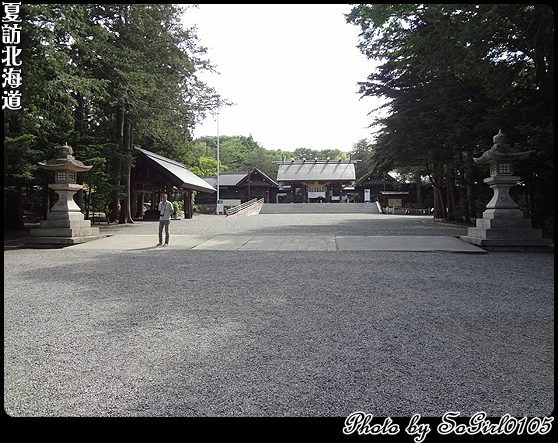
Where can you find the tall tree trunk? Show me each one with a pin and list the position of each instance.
(119, 135)
(437, 181)
(439, 210)
(470, 212)
(452, 194)
(127, 142)
(79, 113)
(418, 183)
(465, 188)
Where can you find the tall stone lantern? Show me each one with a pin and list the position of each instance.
(502, 226)
(65, 224)
(65, 168)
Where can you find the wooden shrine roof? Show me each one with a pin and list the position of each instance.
(176, 172)
(316, 170)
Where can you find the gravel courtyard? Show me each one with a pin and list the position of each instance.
(196, 333)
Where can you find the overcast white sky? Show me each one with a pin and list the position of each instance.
(292, 71)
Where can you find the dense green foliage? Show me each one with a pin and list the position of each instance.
(241, 154)
(453, 75)
(101, 78)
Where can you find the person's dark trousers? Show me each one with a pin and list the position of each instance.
(165, 224)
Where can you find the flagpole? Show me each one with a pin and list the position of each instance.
(218, 207)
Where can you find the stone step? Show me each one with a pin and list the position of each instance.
(503, 223)
(72, 224)
(319, 208)
(63, 232)
(59, 242)
(505, 233)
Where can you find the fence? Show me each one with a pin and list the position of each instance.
(405, 211)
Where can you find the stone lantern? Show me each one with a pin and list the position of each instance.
(500, 158)
(502, 226)
(65, 224)
(65, 168)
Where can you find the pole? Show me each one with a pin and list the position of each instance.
(384, 189)
(217, 206)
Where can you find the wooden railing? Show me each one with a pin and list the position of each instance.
(250, 207)
(405, 211)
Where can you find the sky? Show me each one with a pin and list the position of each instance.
(292, 72)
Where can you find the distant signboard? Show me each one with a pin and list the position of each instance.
(316, 194)
(367, 195)
(397, 202)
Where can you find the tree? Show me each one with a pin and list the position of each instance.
(149, 69)
(49, 99)
(453, 75)
(103, 78)
(263, 160)
(362, 150)
(206, 167)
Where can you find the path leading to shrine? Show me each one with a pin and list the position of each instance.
(352, 231)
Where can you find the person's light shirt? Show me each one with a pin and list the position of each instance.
(165, 208)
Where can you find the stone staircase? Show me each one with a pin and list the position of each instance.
(319, 208)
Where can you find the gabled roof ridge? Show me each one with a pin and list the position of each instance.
(264, 174)
(316, 171)
(243, 175)
(297, 161)
(160, 157)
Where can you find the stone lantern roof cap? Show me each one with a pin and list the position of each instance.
(501, 151)
(65, 161)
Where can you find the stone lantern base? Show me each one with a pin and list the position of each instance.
(506, 230)
(62, 229)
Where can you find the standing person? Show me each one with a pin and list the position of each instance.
(165, 212)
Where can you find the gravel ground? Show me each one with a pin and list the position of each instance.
(274, 334)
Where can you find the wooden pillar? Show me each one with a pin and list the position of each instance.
(133, 203)
(188, 208)
(133, 196)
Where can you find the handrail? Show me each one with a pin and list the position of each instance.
(239, 209)
(405, 211)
